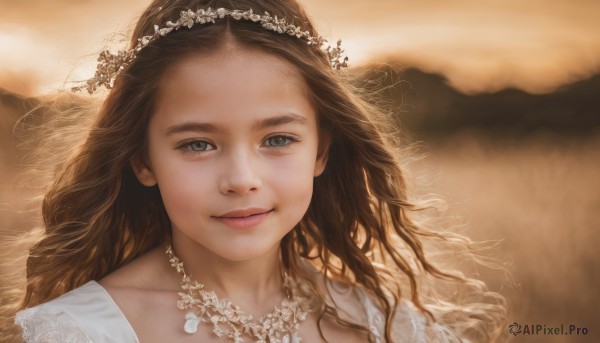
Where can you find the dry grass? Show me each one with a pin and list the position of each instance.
(541, 196)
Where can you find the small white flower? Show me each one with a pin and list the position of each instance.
(236, 15)
(163, 32)
(188, 18)
(145, 40)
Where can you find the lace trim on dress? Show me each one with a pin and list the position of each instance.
(41, 326)
(409, 325)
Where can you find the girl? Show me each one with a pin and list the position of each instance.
(233, 189)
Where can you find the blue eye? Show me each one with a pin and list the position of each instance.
(197, 146)
(280, 141)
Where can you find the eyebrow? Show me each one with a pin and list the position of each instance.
(288, 118)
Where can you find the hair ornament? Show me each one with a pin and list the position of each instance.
(110, 64)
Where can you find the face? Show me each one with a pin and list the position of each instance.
(232, 146)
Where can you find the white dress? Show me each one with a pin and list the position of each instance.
(89, 314)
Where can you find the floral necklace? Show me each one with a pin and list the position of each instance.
(279, 326)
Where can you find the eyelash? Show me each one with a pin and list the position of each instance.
(186, 146)
(290, 139)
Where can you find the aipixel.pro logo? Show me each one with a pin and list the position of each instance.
(546, 330)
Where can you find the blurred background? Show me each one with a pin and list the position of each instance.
(503, 96)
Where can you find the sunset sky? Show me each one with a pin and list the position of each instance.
(480, 46)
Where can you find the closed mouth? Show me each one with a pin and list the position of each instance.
(244, 213)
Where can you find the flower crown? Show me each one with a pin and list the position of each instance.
(110, 65)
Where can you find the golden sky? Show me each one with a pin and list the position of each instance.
(480, 46)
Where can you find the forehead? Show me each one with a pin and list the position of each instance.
(233, 83)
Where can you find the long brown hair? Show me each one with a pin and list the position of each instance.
(358, 229)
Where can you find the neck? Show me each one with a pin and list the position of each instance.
(251, 281)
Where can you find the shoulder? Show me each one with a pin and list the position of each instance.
(410, 324)
(144, 271)
(85, 314)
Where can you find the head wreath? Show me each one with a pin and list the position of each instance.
(111, 64)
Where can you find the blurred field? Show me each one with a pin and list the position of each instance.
(541, 196)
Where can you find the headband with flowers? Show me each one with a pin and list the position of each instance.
(110, 65)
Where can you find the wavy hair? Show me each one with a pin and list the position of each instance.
(360, 227)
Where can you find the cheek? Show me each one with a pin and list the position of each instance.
(183, 186)
(293, 182)
(183, 191)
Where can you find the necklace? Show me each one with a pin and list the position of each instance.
(279, 326)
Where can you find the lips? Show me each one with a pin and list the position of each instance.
(244, 213)
(244, 219)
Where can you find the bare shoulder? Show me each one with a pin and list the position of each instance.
(134, 284)
(145, 272)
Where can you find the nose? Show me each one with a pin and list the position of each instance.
(240, 174)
